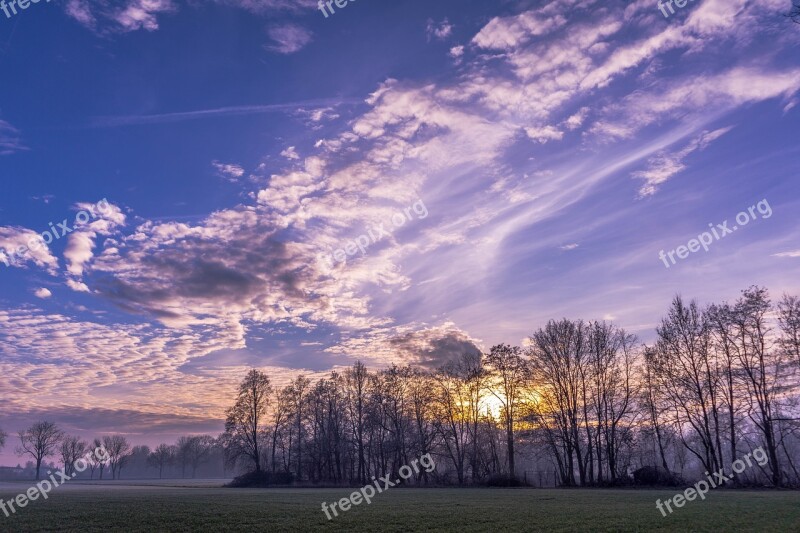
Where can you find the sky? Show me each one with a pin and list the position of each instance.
(243, 183)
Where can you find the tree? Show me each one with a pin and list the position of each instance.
(690, 380)
(98, 462)
(763, 369)
(296, 392)
(117, 448)
(162, 457)
(197, 451)
(356, 380)
(72, 449)
(510, 372)
(3, 436)
(244, 423)
(39, 441)
(559, 359)
(789, 321)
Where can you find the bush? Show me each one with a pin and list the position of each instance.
(654, 475)
(262, 480)
(504, 480)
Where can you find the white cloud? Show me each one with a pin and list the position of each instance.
(34, 250)
(132, 15)
(230, 171)
(290, 153)
(440, 31)
(665, 165)
(795, 253)
(544, 134)
(42, 293)
(289, 38)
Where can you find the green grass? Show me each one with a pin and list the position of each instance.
(119, 507)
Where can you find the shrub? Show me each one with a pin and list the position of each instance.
(654, 475)
(262, 479)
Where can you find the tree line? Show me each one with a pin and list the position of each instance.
(44, 440)
(585, 402)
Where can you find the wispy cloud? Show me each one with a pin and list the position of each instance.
(10, 140)
(795, 253)
(132, 120)
(665, 165)
(288, 38)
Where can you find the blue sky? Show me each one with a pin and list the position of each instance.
(557, 147)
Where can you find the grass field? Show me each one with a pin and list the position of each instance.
(203, 507)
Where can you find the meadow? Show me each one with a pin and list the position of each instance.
(202, 506)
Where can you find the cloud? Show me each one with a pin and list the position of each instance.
(230, 171)
(81, 242)
(795, 253)
(42, 293)
(665, 165)
(10, 141)
(102, 16)
(544, 134)
(288, 39)
(267, 6)
(34, 250)
(290, 153)
(505, 33)
(568, 247)
(111, 121)
(440, 31)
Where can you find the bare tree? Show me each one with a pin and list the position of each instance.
(689, 380)
(98, 462)
(118, 449)
(558, 356)
(795, 12)
(789, 321)
(39, 441)
(510, 372)
(356, 381)
(3, 436)
(162, 457)
(244, 424)
(198, 451)
(72, 449)
(762, 367)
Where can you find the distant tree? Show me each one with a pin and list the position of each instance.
(510, 372)
(39, 441)
(789, 321)
(198, 451)
(245, 420)
(98, 462)
(118, 449)
(356, 380)
(297, 392)
(3, 436)
(72, 449)
(163, 456)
